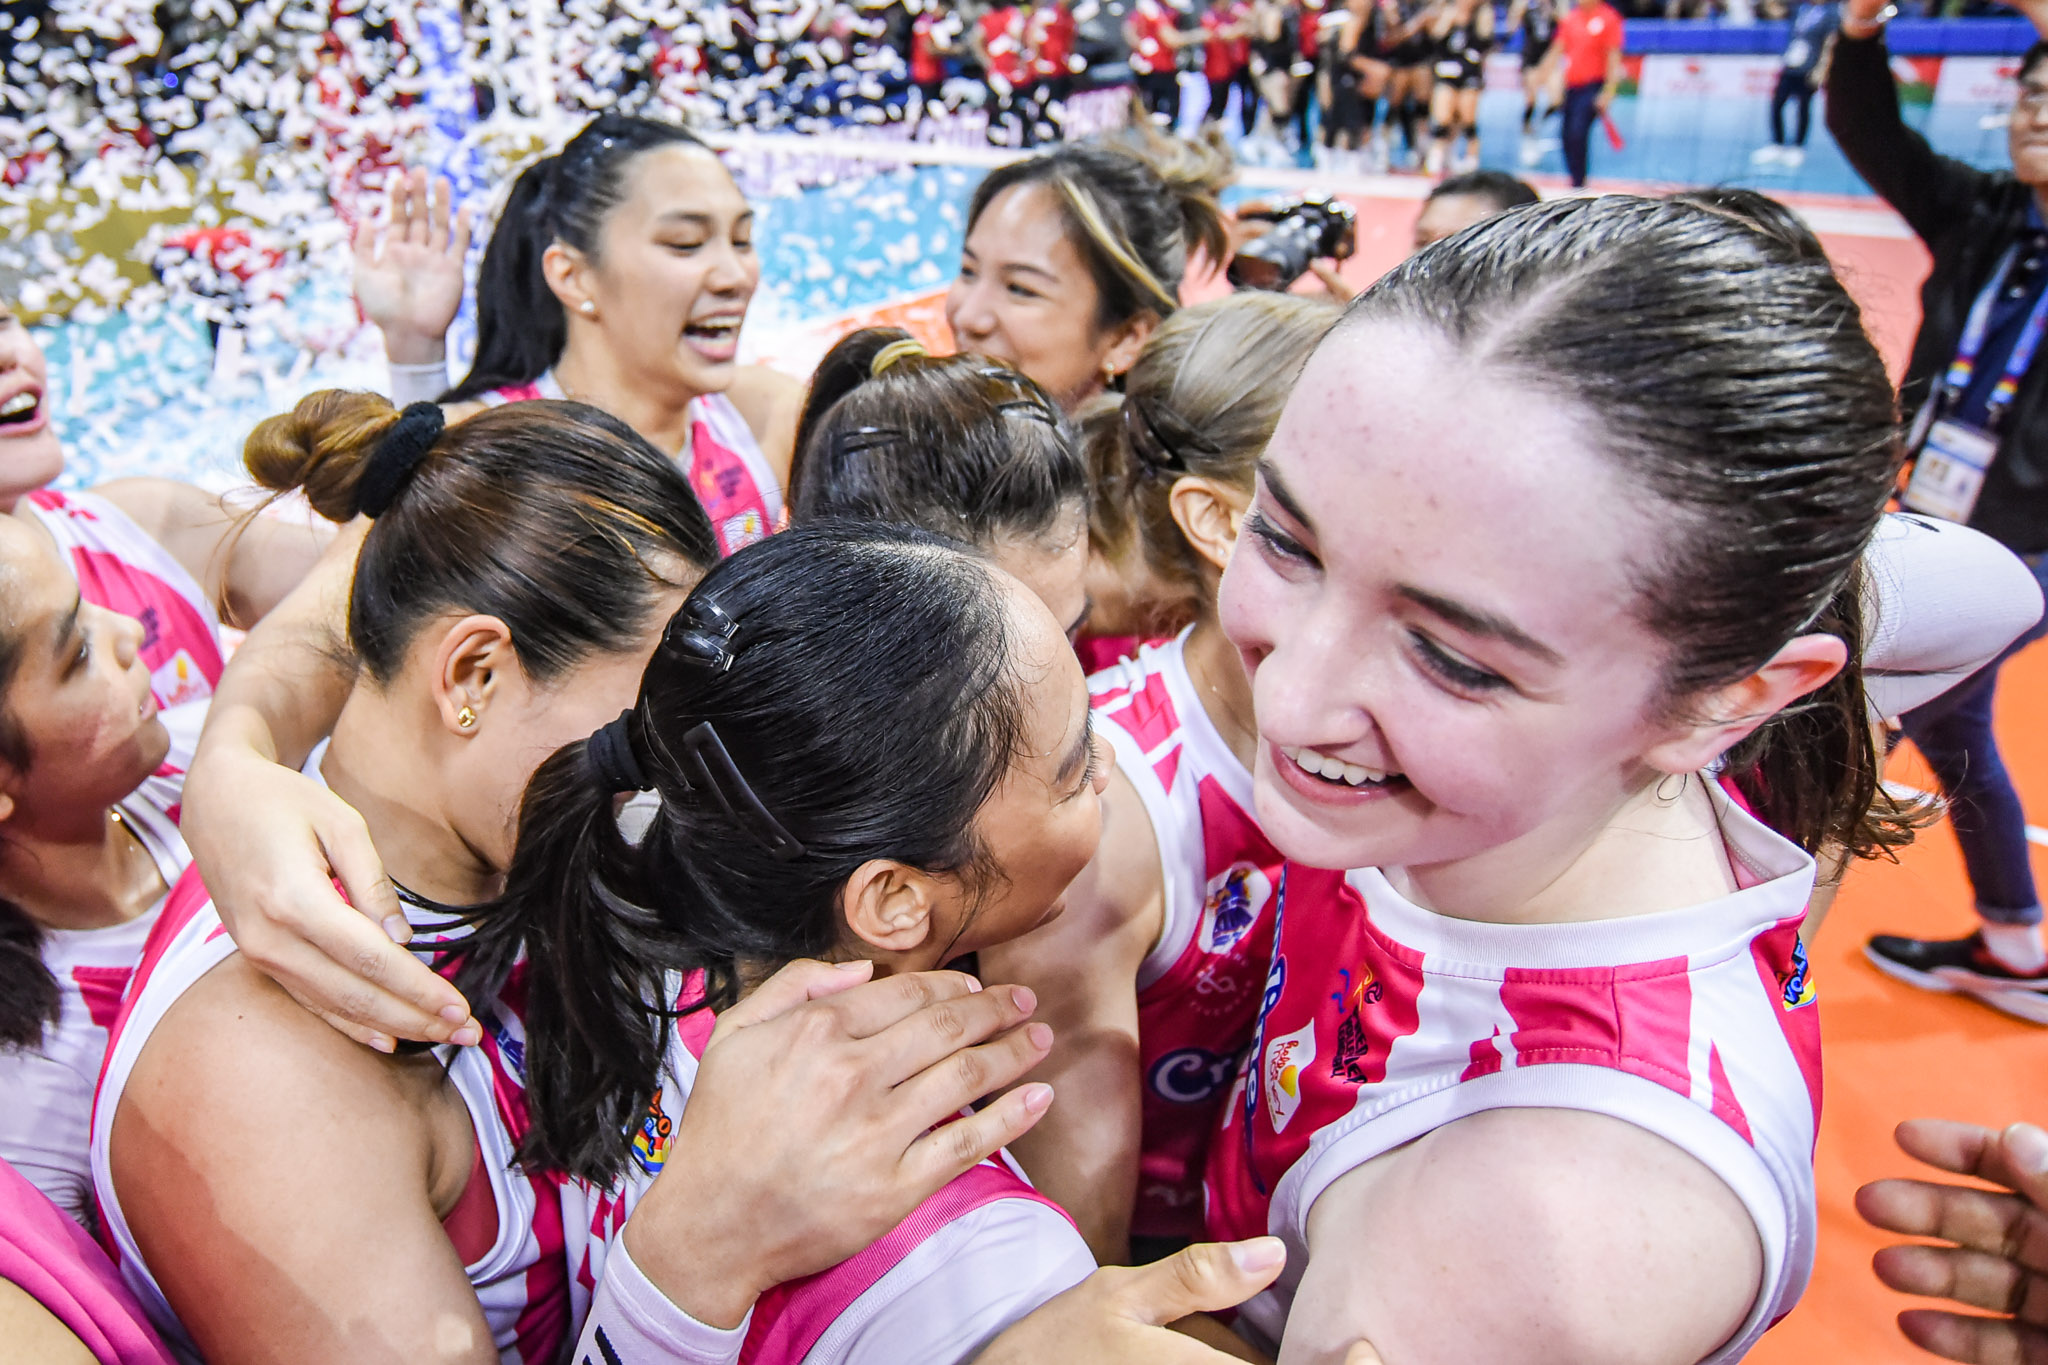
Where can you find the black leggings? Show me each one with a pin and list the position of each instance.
(1161, 92)
(1792, 85)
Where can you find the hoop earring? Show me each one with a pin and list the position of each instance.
(466, 718)
(1668, 777)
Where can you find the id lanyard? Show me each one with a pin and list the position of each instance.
(1964, 367)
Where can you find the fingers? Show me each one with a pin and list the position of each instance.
(798, 982)
(961, 1077)
(345, 843)
(1204, 1278)
(944, 1153)
(1363, 1354)
(882, 1005)
(1978, 1279)
(459, 245)
(440, 193)
(1986, 1341)
(341, 965)
(938, 1032)
(1960, 1148)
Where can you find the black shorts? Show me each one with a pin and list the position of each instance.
(1533, 53)
(1413, 53)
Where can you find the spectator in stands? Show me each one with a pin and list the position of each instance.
(1590, 38)
(1805, 70)
(1977, 397)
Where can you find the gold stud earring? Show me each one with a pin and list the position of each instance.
(466, 718)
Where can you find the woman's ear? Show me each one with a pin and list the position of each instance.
(1209, 514)
(567, 274)
(1728, 715)
(1130, 340)
(472, 665)
(889, 905)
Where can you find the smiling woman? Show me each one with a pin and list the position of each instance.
(1564, 664)
(1073, 257)
(619, 275)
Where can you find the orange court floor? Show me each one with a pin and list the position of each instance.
(1889, 1052)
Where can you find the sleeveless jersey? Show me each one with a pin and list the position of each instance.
(1382, 1021)
(536, 1282)
(46, 1091)
(522, 1282)
(732, 477)
(1199, 988)
(120, 568)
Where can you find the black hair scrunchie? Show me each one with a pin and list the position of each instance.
(611, 755)
(392, 463)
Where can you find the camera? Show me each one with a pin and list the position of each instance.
(1304, 231)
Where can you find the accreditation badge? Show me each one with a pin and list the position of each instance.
(1949, 473)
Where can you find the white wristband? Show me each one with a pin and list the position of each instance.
(418, 383)
(632, 1321)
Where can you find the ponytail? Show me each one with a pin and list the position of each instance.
(598, 967)
(29, 1002)
(521, 327)
(1814, 772)
(321, 448)
(848, 365)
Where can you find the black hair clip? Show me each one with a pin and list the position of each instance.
(702, 633)
(859, 439)
(1146, 442)
(728, 786)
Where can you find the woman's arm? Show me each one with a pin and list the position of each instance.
(1083, 967)
(280, 1183)
(1526, 1237)
(770, 402)
(35, 1331)
(246, 563)
(272, 842)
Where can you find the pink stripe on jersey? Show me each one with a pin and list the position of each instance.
(1636, 1017)
(102, 988)
(790, 1318)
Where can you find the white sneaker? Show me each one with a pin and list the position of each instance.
(1766, 154)
(1531, 153)
(1792, 158)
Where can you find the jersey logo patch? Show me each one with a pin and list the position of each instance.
(178, 680)
(1799, 991)
(1190, 1075)
(742, 530)
(656, 1136)
(1235, 899)
(1354, 1044)
(1287, 1057)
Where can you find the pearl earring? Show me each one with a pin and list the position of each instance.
(466, 718)
(588, 308)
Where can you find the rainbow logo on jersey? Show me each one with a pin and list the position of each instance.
(656, 1136)
(1234, 899)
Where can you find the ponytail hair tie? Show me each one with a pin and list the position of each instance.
(611, 756)
(392, 463)
(901, 349)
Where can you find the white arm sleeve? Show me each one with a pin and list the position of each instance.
(945, 1301)
(1944, 601)
(631, 1321)
(418, 383)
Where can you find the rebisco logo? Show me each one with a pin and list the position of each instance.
(1287, 1057)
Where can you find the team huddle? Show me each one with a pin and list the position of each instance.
(690, 866)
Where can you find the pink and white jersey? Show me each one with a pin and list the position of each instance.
(972, 1259)
(1199, 988)
(46, 1092)
(1383, 1021)
(523, 1281)
(732, 477)
(119, 567)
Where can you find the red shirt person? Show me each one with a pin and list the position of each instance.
(1052, 33)
(1590, 37)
